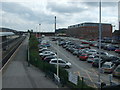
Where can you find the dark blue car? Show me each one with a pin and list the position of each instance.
(112, 48)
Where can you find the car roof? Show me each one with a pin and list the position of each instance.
(56, 59)
(108, 63)
(118, 66)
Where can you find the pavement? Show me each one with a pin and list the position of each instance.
(19, 75)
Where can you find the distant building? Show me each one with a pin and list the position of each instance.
(116, 35)
(47, 33)
(89, 30)
(61, 32)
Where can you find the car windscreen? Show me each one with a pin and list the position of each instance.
(118, 69)
(106, 66)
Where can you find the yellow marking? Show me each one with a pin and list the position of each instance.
(90, 79)
(96, 74)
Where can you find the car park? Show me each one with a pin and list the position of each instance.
(61, 62)
(116, 72)
(108, 67)
(76, 48)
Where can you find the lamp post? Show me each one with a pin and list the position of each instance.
(28, 50)
(99, 42)
(39, 29)
(57, 53)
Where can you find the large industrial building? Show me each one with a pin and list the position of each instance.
(89, 30)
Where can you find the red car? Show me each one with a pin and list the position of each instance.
(84, 42)
(117, 50)
(83, 57)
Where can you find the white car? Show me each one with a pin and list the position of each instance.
(92, 52)
(45, 53)
(108, 67)
(61, 62)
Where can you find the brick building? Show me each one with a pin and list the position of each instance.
(89, 30)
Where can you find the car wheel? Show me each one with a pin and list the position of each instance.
(67, 66)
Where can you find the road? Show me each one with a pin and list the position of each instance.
(82, 68)
(19, 75)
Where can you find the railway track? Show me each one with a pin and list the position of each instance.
(5, 60)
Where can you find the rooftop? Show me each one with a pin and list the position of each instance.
(6, 33)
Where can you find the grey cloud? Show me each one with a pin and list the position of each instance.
(104, 4)
(25, 12)
(64, 8)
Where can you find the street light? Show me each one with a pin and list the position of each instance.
(39, 30)
(99, 41)
(57, 53)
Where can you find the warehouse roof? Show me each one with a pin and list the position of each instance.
(6, 33)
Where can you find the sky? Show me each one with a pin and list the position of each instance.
(39, 15)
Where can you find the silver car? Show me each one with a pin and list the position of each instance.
(91, 58)
(61, 62)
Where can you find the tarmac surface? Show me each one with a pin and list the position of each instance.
(19, 75)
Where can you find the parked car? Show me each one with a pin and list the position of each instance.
(51, 54)
(111, 47)
(91, 52)
(116, 72)
(48, 58)
(92, 43)
(95, 63)
(75, 52)
(42, 50)
(105, 46)
(61, 62)
(41, 46)
(83, 46)
(115, 42)
(45, 53)
(108, 67)
(83, 57)
(102, 53)
(91, 58)
(84, 42)
(110, 57)
(117, 50)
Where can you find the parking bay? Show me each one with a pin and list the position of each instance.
(81, 68)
